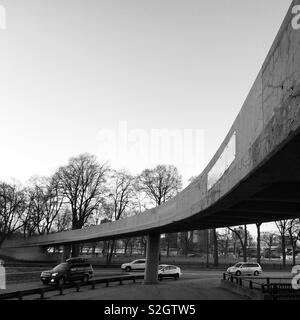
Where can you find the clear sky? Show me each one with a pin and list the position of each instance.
(71, 68)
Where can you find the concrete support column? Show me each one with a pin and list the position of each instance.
(152, 258)
(66, 253)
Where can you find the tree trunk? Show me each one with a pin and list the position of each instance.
(207, 249)
(125, 247)
(104, 248)
(75, 250)
(226, 249)
(294, 252)
(131, 248)
(111, 251)
(283, 251)
(216, 251)
(293, 242)
(245, 244)
(94, 249)
(258, 254)
(145, 248)
(168, 245)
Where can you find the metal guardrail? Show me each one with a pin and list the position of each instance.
(92, 283)
(280, 288)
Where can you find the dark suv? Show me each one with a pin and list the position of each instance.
(71, 270)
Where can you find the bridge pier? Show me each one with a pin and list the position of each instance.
(152, 258)
(66, 253)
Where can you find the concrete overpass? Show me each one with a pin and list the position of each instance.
(253, 177)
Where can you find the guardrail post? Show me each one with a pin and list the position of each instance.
(93, 285)
(61, 290)
(42, 294)
(133, 279)
(224, 276)
(121, 282)
(20, 295)
(77, 287)
(274, 292)
(241, 282)
(251, 284)
(107, 283)
(268, 285)
(231, 278)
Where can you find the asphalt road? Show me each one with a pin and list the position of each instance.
(34, 282)
(194, 284)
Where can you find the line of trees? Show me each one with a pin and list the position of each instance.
(287, 230)
(85, 192)
(82, 193)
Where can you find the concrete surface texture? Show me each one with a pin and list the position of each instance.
(260, 185)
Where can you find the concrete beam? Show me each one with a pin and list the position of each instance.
(152, 258)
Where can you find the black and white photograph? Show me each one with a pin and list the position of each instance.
(150, 153)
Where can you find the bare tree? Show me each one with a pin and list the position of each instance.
(242, 234)
(258, 242)
(82, 183)
(269, 238)
(282, 227)
(293, 231)
(223, 241)
(63, 220)
(215, 247)
(12, 210)
(44, 205)
(185, 241)
(161, 183)
(121, 199)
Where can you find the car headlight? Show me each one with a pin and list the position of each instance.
(54, 274)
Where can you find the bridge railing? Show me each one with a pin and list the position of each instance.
(41, 292)
(273, 288)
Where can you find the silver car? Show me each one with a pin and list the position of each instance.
(167, 271)
(245, 268)
(139, 264)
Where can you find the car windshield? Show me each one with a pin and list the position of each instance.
(60, 267)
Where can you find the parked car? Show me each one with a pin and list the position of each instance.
(71, 270)
(245, 268)
(168, 271)
(139, 264)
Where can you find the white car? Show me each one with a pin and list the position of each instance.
(245, 268)
(139, 264)
(167, 271)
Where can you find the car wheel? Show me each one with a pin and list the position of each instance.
(85, 279)
(45, 282)
(238, 273)
(61, 281)
(160, 278)
(176, 277)
(128, 269)
(256, 273)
